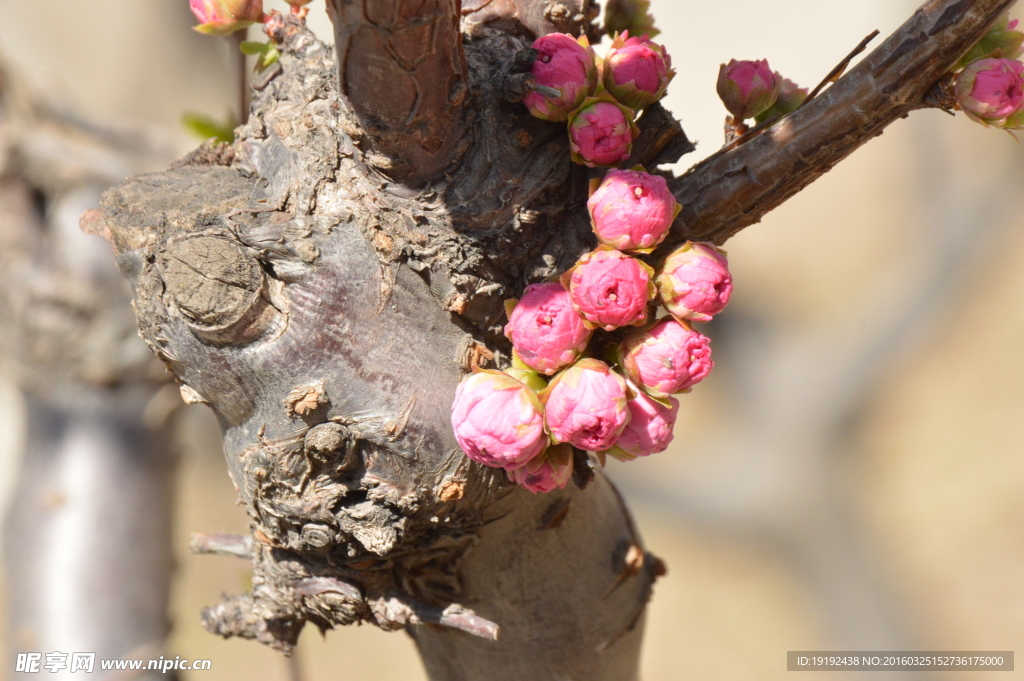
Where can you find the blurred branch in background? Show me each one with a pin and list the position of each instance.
(87, 539)
(782, 477)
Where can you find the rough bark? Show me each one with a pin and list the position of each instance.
(326, 310)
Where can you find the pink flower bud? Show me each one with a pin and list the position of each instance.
(649, 430)
(601, 132)
(694, 283)
(747, 88)
(637, 71)
(546, 331)
(991, 91)
(668, 358)
(544, 473)
(610, 289)
(585, 405)
(632, 210)
(222, 17)
(566, 65)
(498, 421)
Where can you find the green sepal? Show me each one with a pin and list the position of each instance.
(528, 377)
(518, 363)
(510, 305)
(999, 43)
(222, 28)
(617, 452)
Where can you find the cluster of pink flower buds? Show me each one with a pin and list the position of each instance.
(750, 89)
(989, 84)
(524, 422)
(598, 103)
(528, 419)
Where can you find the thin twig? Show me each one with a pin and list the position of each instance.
(832, 76)
(457, 617)
(720, 196)
(836, 73)
(221, 544)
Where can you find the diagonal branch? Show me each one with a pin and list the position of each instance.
(734, 189)
(402, 70)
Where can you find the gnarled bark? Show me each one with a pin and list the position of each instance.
(327, 312)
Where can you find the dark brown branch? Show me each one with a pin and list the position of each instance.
(403, 73)
(732, 190)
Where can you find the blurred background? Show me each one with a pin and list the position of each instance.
(850, 477)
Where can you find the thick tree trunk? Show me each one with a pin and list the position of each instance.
(323, 283)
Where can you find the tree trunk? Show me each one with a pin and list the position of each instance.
(325, 281)
(87, 550)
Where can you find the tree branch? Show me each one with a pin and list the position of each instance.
(402, 70)
(540, 17)
(736, 188)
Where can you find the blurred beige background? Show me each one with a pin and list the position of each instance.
(852, 475)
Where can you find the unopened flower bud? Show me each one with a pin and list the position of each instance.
(566, 64)
(637, 71)
(601, 132)
(791, 96)
(668, 358)
(632, 210)
(585, 405)
(747, 88)
(548, 471)
(222, 17)
(694, 283)
(610, 289)
(498, 421)
(649, 430)
(546, 331)
(991, 92)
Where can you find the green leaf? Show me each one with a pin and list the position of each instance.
(204, 127)
(266, 53)
(251, 47)
(268, 58)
